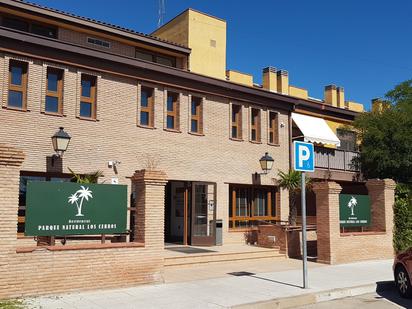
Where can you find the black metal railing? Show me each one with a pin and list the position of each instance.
(336, 159)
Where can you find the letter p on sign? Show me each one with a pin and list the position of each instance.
(304, 158)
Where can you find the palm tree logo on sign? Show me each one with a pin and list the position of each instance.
(78, 198)
(351, 204)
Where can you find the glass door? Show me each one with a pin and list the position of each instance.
(203, 214)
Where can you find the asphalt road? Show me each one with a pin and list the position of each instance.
(384, 299)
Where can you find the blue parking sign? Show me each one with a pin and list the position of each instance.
(304, 157)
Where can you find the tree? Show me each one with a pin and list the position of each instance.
(87, 178)
(386, 137)
(291, 181)
(402, 218)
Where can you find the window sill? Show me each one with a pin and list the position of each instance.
(80, 247)
(53, 114)
(236, 139)
(87, 119)
(196, 134)
(172, 130)
(146, 127)
(16, 109)
(275, 145)
(255, 142)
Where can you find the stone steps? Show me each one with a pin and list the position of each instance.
(197, 259)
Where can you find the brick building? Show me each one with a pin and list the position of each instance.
(159, 113)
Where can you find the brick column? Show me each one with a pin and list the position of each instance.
(150, 206)
(382, 195)
(10, 161)
(327, 219)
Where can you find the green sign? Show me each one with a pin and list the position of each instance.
(354, 210)
(55, 209)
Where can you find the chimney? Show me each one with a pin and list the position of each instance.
(269, 79)
(330, 95)
(283, 81)
(340, 97)
(379, 105)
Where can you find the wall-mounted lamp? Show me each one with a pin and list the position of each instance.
(60, 141)
(266, 163)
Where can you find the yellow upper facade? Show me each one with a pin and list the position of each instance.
(205, 35)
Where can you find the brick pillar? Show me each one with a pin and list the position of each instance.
(10, 162)
(382, 195)
(150, 200)
(327, 219)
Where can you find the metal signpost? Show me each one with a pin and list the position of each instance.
(304, 161)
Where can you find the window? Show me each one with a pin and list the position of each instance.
(172, 108)
(17, 96)
(98, 42)
(43, 30)
(25, 177)
(28, 26)
(165, 61)
(236, 121)
(147, 107)
(14, 23)
(249, 204)
(88, 96)
(255, 125)
(140, 54)
(347, 140)
(54, 91)
(155, 57)
(273, 128)
(196, 111)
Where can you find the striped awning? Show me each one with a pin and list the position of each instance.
(315, 130)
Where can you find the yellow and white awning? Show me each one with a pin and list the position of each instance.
(315, 130)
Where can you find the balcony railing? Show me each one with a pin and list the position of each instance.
(336, 159)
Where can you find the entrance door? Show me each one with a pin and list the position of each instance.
(203, 223)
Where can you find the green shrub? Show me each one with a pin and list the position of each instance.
(402, 231)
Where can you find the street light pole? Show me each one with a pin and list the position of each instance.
(304, 247)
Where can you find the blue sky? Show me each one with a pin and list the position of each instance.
(364, 46)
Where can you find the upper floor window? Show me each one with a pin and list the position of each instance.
(88, 96)
(172, 111)
(17, 96)
(273, 128)
(54, 91)
(236, 119)
(155, 57)
(17, 23)
(196, 111)
(255, 125)
(147, 107)
(347, 140)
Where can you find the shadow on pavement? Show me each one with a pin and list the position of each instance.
(387, 290)
(245, 273)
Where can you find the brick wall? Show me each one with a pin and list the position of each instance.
(116, 136)
(80, 38)
(334, 247)
(45, 270)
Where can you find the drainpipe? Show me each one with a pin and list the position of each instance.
(290, 137)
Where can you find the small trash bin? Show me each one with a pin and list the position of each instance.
(219, 231)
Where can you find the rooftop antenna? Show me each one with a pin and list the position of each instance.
(162, 9)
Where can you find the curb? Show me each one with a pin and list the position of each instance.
(313, 298)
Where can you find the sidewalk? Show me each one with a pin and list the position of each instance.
(229, 292)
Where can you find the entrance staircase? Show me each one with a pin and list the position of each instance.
(181, 256)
